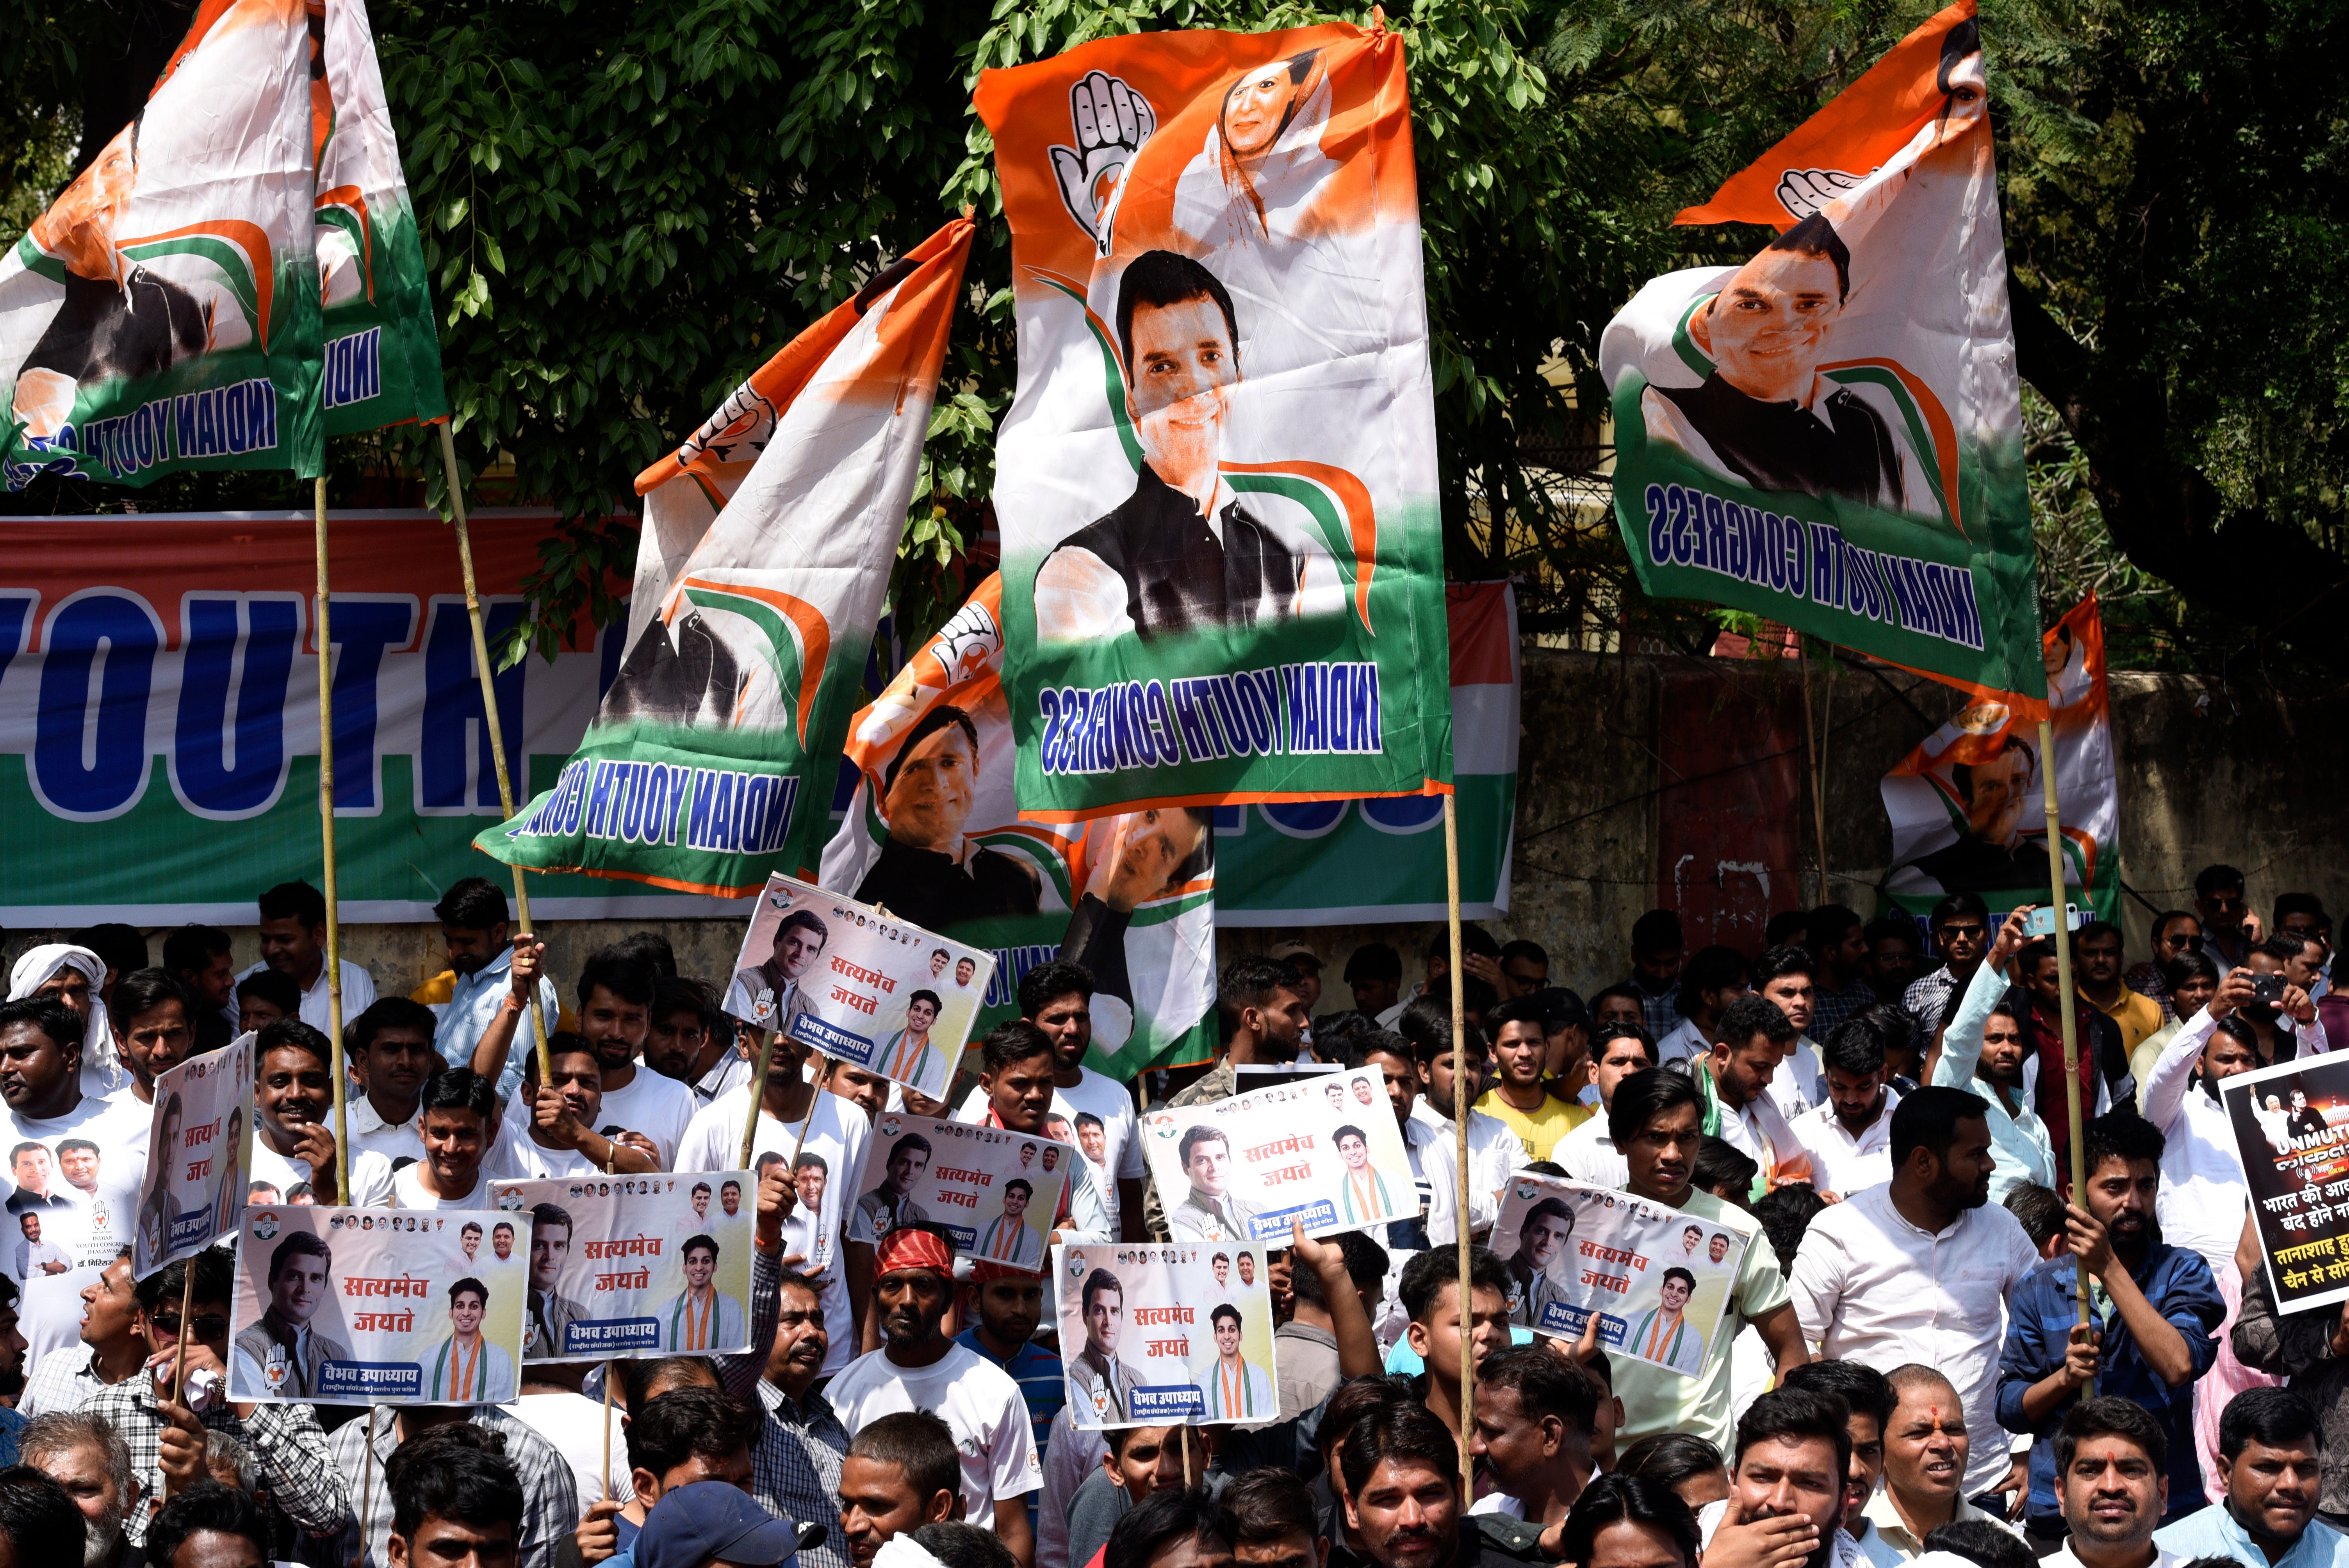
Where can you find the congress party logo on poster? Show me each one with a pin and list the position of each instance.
(1167, 1335)
(859, 984)
(358, 1306)
(1324, 1152)
(1217, 482)
(636, 1266)
(994, 1191)
(1660, 1279)
(199, 1148)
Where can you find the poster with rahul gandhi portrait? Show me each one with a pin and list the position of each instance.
(994, 1191)
(1166, 1334)
(198, 1150)
(1222, 573)
(1323, 1151)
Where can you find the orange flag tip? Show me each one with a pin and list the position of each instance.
(1378, 18)
(970, 212)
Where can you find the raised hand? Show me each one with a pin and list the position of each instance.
(1109, 121)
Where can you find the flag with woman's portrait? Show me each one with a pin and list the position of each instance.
(1221, 562)
(1831, 433)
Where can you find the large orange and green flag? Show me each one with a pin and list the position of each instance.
(760, 573)
(163, 315)
(382, 348)
(1222, 560)
(1831, 433)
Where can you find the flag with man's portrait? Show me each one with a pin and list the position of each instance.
(765, 554)
(1830, 435)
(935, 834)
(1217, 485)
(161, 316)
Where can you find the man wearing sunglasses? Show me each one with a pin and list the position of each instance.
(167, 1439)
(2229, 929)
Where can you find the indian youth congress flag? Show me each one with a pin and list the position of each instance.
(1222, 573)
(163, 315)
(198, 1151)
(934, 832)
(382, 350)
(1831, 435)
(768, 540)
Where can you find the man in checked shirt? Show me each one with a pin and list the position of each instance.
(167, 1443)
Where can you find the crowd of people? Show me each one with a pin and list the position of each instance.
(1879, 1112)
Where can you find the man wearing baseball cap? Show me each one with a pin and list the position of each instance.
(713, 1524)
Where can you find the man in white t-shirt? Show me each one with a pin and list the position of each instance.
(641, 1108)
(41, 1082)
(796, 1116)
(1057, 998)
(293, 943)
(1589, 1153)
(294, 1102)
(455, 1125)
(556, 1122)
(1714, 977)
(1848, 1135)
(920, 1368)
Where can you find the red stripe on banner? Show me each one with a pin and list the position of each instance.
(1482, 652)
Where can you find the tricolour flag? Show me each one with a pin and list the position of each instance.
(1831, 435)
(163, 315)
(768, 537)
(1222, 560)
(382, 353)
(934, 833)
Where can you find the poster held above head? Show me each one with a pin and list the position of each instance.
(934, 831)
(363, 1306)
(636, 1266)
(1131, 1345)
(1222, 573)
(859, 984)
(1660, 1279)
(200, 1147)
(1831, 435)
(2292, 1128)
(1322, 1150)
(768, 537)
(995, 1193)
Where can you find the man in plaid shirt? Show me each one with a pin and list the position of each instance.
(796, 1464)
(1960, 935)
(550, 1488)
(112, 1348)
(1657, 945)
(288, 1450)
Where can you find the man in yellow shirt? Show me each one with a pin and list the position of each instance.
(1516, 1098)
(2098, 951)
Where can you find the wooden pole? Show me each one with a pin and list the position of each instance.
(758, 1099)
(2064, 989)
(187, 1305)
(366, 1476)
(327, 841)
(1460, 1127)
(611, 1370)
(490, 717)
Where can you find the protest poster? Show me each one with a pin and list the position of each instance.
(198, 1147)
(1965, 804)
(769, 535)
(2292, 1128)
(359, 1306)
(858, 984)
(1659, 1280)
(1325, 1151)
(934, 832)
(1831, 435)
(993, 1191)
(636, 1266)
(161, 316)
(1132, 1345)
(1217, 482)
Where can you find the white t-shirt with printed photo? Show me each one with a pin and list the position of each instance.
(1101, 1096)
(83, 1180)
(979, 1404)
(837, 1133)
(660, 1108)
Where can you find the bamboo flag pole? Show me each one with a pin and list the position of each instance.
(2064, 989)
(327, 841)
(490, 717)
(1460, 1127)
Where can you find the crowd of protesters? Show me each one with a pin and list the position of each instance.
(1879, 1109)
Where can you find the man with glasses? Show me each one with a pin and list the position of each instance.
(2175, 936)
(289, 1452)
(1960, 924)
(2229, 929)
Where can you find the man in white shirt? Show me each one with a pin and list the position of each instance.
(293, 942)
(1734, 1080)
(1927, 1452)
(641, 1108)
(1589, 1153)
(473, 925)
(1783, 976)
(2112, 1477)
(392, 1043)
(2203, 1189)
(454, 1121)
(1985, 1051)
(1715, 977)
(1494, 1151)
(1849, 1137)
(41, 1081)
(920, 1368)
(35, 1255)
(1057, 998)
(1919, 1270)
(558, 1120)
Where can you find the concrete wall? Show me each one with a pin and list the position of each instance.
(1619, 750)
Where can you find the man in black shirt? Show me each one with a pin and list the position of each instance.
(929, 873)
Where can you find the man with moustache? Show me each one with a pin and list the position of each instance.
(2155, 1341)
(2270, 1455)
(1849, 1137)
(2112, 1473)
(1926, 1455)
(1984, 1050)
(1786, 1485)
